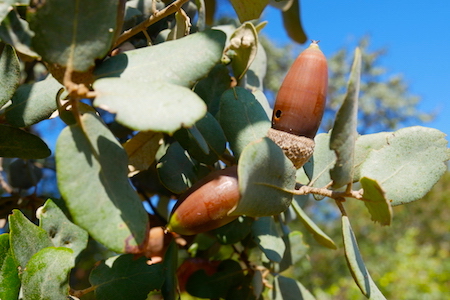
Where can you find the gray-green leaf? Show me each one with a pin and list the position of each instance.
(92, 178)
(379, 207)
(266, 176)
(268, 239)
(61, 231)
(123, 277)
(15, 142)
(46, 276)
(356, 263)
(343, 134)
(409, 165)
(157, 105)
(9, 73)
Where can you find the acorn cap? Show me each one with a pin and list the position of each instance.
(298, 149)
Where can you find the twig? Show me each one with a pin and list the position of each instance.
(304, 190)
(158, 15)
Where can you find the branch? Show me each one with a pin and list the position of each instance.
(158, 15)
(301, 189)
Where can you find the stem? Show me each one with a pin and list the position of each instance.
(304, 189)
(158, 15)
(80, 293)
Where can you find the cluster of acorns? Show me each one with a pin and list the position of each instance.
(296, 117)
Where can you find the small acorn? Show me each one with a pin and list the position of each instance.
(300, 105)
(206, 204)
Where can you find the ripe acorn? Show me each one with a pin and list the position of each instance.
(206, 204)
(300, 105)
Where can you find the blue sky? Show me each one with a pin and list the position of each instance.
(415, 33)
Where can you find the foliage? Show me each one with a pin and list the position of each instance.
(155, 100)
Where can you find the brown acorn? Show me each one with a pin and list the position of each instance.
(206, 204)
(300, 105)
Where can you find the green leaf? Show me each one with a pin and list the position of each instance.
(364, 145)
(257, 72)
(205, 141)
(323, 160)
(15, 31)
(156, 106)
(356, 263)
(142, 148)
(26, 239)
(265, 176)
(318, 234)
(33, 103)
(9, 73)
(289, 289)
(61, 231)
(124, 277)
(244, 43)
(15, 142)
(47, 274)
(74, 33)
(24, 174)
(242, 118)
(409, 165)
(181, 62)
(295, 250)
(250, 9)
(212, 87)
(379, 207)
(5, 7)
(293, 24)
(9, 275)
(170, 264)
(175, 170)
(234, 232)
(343, 134)
(92, 178)
(229, 274)
(268, 239)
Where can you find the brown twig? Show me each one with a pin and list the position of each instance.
(158, 15)
(301, 189)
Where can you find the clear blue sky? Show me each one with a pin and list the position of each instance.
(415, 33)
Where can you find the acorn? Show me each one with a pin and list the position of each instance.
(300, 105)
(206, 204)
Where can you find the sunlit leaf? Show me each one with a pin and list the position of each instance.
(265, 175)
(364, 145)
(47, 274)
(123, 277)
(343, 134)
(244, 43)
(409, 165)
(9, 274)
(156, 106)
(268, 238)
(26, 239)
(9, 73)
(32, 103)
(250, 9)
(242, 118)
(356, 263)
(15, 31)
(181, 62)
(318, 234)
(74, 33)
(141, 149)
(15, 142)
(324, 160)
(92, 178)
(61, 231)
(379, 207)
